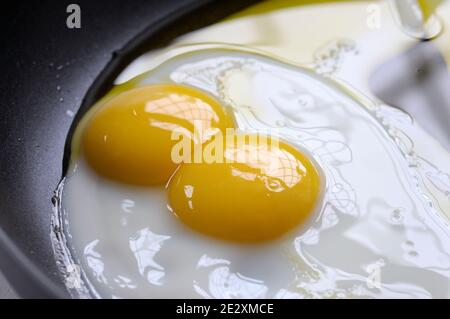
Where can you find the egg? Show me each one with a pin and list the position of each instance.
(341, 206)
(255, 190)
(129, 138)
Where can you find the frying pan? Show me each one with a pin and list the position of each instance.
(50, 72)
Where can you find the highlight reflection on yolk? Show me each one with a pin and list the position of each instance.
(246, 199)
(129, 138)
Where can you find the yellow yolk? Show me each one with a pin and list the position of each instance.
(256, 192)
(429, 7)
(129, 139)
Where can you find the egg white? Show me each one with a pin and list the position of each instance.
(376, 212)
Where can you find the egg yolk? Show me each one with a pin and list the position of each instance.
(256, 192)
(129, 138)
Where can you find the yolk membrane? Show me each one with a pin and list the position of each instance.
(129, 139)
(256, 192)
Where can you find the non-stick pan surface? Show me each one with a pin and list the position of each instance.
(48, 72)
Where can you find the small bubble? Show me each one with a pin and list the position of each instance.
(57, 76)
(306, 100)
(61, 99)
(413, 253)
(60, 67)
(397, 216)
(58, 88)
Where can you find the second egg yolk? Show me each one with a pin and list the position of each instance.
(255, 192)
(129, 138)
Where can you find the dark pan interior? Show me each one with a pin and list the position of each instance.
(47, 72)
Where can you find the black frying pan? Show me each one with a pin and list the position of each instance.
(47, 70)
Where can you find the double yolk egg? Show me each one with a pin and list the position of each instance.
(129, 139)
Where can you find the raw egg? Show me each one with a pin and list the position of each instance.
(129, 139)
(374, 225)
(255, 220)
(255, 190)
